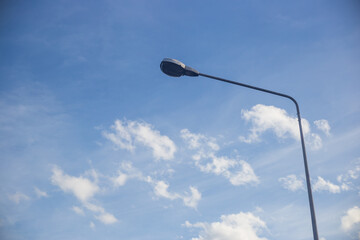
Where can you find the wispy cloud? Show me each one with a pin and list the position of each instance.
(346, 180)
(323, 125)
(84, 190)
(92, 225)
(126, 172)
(161, 188)
(128, 134)
(264, 118)
(40, 193)
(103, 216)
(231, 227)
(18, 197)
(239, 172)
(292, 183)
(78, 210)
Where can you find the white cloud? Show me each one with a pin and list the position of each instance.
(314, 141)
(103, 216)
(238, 172)
(127, 134)
(40, 193)
(231, 227)
(323, 185)
(354, 173)
(351, 174)
(264, 118)
(193, 199)
(92, 225)
(120, 180)
(94, 208)
(323, 125)
(81, 187)
(161, 190)
(125, 173)
(107, 218)
(84, 190)
(351, 218)
(345, 187)
(218, 165)
(18, 197)
(190, 200)
(78, 210)
(244, 176)
(196, 141)
(346, 180)
(292, 183)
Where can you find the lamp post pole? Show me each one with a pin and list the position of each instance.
(176, 68)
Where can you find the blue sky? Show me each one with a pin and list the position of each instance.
(97, 143)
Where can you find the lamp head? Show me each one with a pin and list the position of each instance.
(175, 68)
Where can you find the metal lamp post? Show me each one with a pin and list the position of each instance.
(176, 68)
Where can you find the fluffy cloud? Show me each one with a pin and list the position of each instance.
(264, 118)
(323, 125)
(190, 200)
(18, 197)
(323, 185)
(238, 172)
(107, 218)
(292, 183)
(81, 187)
(351, 218)
(161, 190)
(244, 176)
(120, 180)
(128, 134)
(231, 227)
(84, 190)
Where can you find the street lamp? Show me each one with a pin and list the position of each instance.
(175, 68)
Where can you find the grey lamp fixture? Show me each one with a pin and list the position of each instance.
(175, 68)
